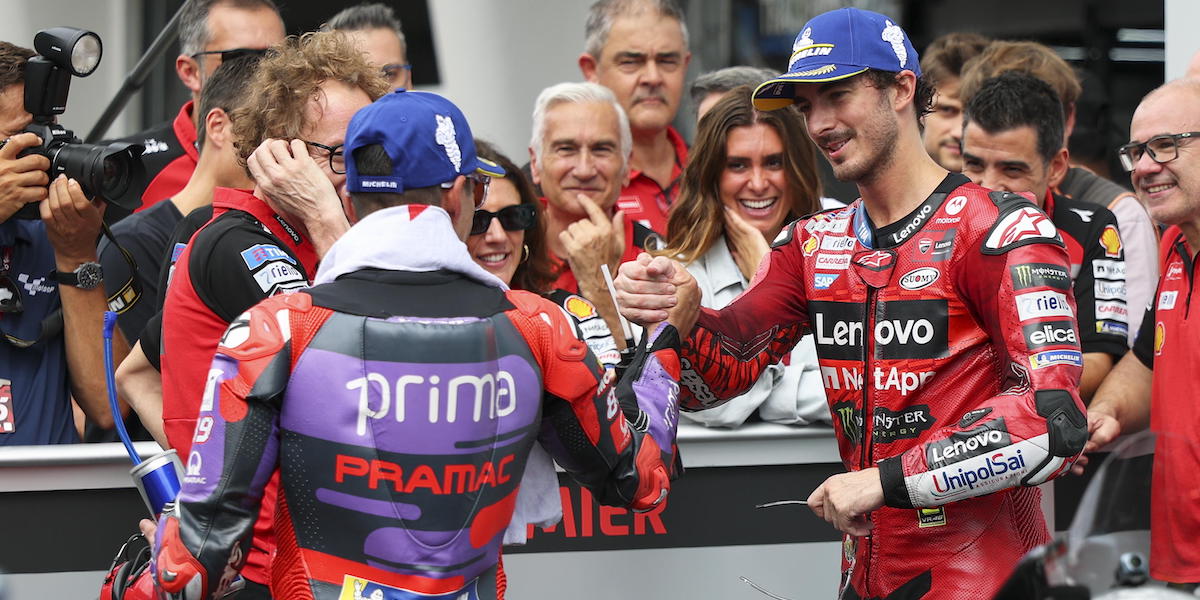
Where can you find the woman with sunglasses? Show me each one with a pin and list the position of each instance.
(749, 173)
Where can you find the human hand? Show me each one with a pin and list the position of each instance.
(1103, 428)
(847, 499)
(72, 223)
(296, 185)
(22, 180)
(746, 243)
(648, 290)
(594, 241)
(148, 529)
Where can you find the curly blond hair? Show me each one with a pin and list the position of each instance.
(289, 77)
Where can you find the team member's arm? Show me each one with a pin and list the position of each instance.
(236, 270)
(591, 242)
(1100, 296)
(582, 423)
(140, 383)
(1035, 428)
(202, 542)
(1122, 404)
(73, 224)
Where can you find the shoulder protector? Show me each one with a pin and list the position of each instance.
(1019, 222)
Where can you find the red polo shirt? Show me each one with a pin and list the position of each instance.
(646, 202)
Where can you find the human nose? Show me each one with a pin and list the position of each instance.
(495, 231)
(1146, 164)
(992, 181)
(758, 180)
(651, 74)
(585, 165)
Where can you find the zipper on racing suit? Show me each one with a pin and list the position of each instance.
(867, 452)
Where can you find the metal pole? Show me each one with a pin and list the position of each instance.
(137, 77)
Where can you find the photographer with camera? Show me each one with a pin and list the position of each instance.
(51, 301)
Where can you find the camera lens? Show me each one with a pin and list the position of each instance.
(115, 175)
(109, 172)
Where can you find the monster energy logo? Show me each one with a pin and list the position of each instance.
(1040, 275)
(851, 421)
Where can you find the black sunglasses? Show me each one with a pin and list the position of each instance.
(519, 217)
(232, 53)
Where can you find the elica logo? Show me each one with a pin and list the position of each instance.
(1050, 333)
(1035, 305)
(995, 469)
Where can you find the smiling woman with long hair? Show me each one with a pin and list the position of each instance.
(749, 173)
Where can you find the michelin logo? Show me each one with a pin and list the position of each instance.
(445, 137)
(893, 35)
(367, 183)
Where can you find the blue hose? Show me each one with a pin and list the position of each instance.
(110, 321)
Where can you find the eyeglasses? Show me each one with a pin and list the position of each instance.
(232, 53)
(393, 71)
(337, 158)
(1162, 149)
(519, 217)
(480, 189)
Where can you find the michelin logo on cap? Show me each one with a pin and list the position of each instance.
(805, 48)
(445, 137)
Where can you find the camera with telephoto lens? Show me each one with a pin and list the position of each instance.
(113, 172)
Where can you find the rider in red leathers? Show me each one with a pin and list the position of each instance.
(944, 325)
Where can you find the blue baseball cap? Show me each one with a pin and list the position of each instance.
(425, 135)
(839, 44)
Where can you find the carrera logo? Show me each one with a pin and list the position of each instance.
(1036, 305)
(1110, 269)
(1050, 333)
(1022, 226)
(1032, 275)
(962, 445)
(955, 205)
(1113, 310)
(837, 243)
(914, 224)
(1110, 240)
(833, 261)
(919, 279)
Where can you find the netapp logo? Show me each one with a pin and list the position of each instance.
(1050, 333)
(904, 329)
(367, 183)
(967, 444)
(1039, 275)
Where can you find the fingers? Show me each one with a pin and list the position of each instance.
(816, 501)
(662, 268)
(148, 529)
(618, 230)
(595, 214)
(19, 143)
(1080, 464)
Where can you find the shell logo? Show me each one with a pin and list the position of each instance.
(1111, 241)
(810, 246)
(1160, 337)
(580, 308)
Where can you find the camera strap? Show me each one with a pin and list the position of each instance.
(131, 290)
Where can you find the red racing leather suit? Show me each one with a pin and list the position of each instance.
(948, 349)
(401, 440)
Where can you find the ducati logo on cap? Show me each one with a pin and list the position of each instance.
(895, 36)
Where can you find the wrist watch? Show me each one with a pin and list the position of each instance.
(86, 276)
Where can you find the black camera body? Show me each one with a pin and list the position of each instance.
(113, 172)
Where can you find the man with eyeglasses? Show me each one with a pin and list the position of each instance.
(1154, 384)
(376, 30)
(400, 396)
(265, 241)
(210, 31)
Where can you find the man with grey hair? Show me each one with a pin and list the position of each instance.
(210, 31)
(375, 28)
(579, 155)
(710, 87)
(639, 50)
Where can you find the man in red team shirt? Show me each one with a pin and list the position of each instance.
(639, 50)
(1150, 385)
(924, 299)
